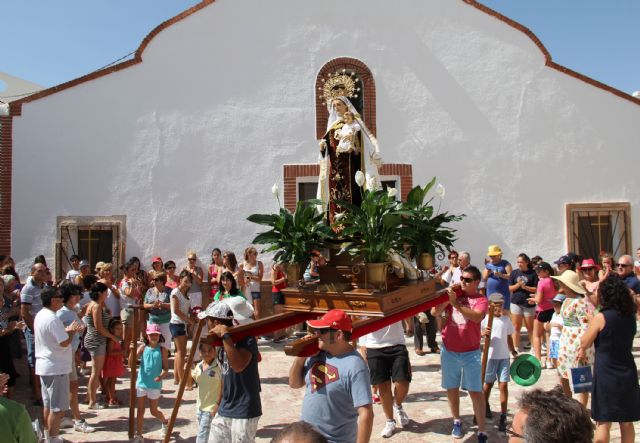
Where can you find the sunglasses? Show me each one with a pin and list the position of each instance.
(621, 265)
(466, 280)
(191, 259)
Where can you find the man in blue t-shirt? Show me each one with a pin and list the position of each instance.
(337, 400)
(240, 408)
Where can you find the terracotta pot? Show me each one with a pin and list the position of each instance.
(424, 261)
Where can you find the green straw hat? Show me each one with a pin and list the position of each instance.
(525, 370)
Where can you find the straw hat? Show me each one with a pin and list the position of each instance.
(494, 250)
(571, 280)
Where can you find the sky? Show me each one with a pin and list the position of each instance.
(56, 41)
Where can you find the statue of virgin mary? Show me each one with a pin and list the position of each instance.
(338, 167)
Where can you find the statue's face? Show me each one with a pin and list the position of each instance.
(339, 107)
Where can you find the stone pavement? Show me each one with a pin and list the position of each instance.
(426, 405)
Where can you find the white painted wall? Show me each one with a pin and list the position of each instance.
(188, 142)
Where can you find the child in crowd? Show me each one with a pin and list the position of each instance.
(154, 365)
(498, 359)
(208, 376)
(555, 328)
(113, 362)
(279, 282)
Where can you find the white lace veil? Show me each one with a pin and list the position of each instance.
(370, 152)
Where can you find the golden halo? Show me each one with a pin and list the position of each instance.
(339, 85)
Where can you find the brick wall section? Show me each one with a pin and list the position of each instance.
(6, 162)
(369, 102)
(292, 172)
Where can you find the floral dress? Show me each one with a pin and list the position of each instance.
(575, 313)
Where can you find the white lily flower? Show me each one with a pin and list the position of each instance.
(440, 191)
(275, 190)
(360, 178)
(339, 216)
(392, 192)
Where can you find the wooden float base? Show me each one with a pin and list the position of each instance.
(364, 302)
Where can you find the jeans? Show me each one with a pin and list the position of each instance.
(204, 426)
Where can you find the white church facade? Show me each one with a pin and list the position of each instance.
(172, 150)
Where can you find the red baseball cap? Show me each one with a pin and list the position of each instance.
(156, 260)
(334, 319)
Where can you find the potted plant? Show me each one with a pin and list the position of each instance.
(293, 235)
(423, 231)
(371, 230)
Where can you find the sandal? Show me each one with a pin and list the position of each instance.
(420, 352)
(115, 402)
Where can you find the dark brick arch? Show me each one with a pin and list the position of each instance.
(369, 92)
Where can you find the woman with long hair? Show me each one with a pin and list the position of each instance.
(215, 271)
(112, 302)
(95, 340)
(253, 270)
(172, 278)
(523, 281)
(543, 300)
(615, 391)
(180, 318)
(230, 264)
(576, 312)
(228, 287)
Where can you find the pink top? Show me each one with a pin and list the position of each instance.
(548, 291)
(458, 333)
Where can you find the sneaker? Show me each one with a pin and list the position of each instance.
(37, 429)
(482, 438)
(376, 399)
(389, 427)
(400, 415)
(96, 406)
(163, 430)
(549, 364)
(66, 423)
(488, 413)
(82, 426)
(502, 426)
(456, 432)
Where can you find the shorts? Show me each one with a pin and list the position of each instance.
(240, 430)
(255, 295)
(497, 369)
(278, 298)
(544, 316)
(31, 347)
(525, 311)
(73, 375)
(55, 392)
(151, 394)
(554, 348)
(390, 363)
(98, 351)
(177, 329)
(461, 369)
(126, 316)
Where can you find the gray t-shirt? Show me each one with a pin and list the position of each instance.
(336, 387)
(31, 294)
(68, 316)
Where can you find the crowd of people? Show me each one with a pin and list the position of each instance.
(576, 313)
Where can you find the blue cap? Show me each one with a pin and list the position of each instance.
(564, 260)
(559, 298)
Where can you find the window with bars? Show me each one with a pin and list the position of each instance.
(594, 228)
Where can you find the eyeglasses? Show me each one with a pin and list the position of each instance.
(510, 432)
(622, 265)
(465, 280)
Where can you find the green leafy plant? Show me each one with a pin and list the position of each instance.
(421, 229)
(371, 229)
(293, 236)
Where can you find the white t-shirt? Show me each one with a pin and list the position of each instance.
(452, 275)
(71, 275)
(501, 328)
(112, 303)
(51, 358)
(556, 332)
(391, 335)
(183, 304)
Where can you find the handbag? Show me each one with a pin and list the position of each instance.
(581, 379)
